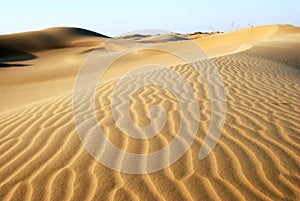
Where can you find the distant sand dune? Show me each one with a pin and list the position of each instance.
(46, 39)
(256, 158)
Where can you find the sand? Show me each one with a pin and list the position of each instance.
(256, 158)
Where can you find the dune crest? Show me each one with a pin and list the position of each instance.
(51, 38)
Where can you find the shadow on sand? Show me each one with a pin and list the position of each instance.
(9, 65)
(9, 57)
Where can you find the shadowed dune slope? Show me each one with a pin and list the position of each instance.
(24, 46)
(46, 39)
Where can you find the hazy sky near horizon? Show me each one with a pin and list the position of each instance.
(113, 17)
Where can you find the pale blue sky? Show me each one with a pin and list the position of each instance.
(113, 17)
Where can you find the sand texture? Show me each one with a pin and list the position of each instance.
(256, 158)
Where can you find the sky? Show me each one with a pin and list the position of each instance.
(113, 18)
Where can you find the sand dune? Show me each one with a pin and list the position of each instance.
(51, 38)
(256, 158)
(163, 38)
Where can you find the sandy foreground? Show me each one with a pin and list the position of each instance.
(256, 158)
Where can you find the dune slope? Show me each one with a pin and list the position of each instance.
(46, 39)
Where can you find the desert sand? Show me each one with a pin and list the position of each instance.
(256, 158)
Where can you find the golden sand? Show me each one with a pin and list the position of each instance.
(256, 158)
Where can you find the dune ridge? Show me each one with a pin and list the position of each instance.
(59, 37)
(256, 158)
